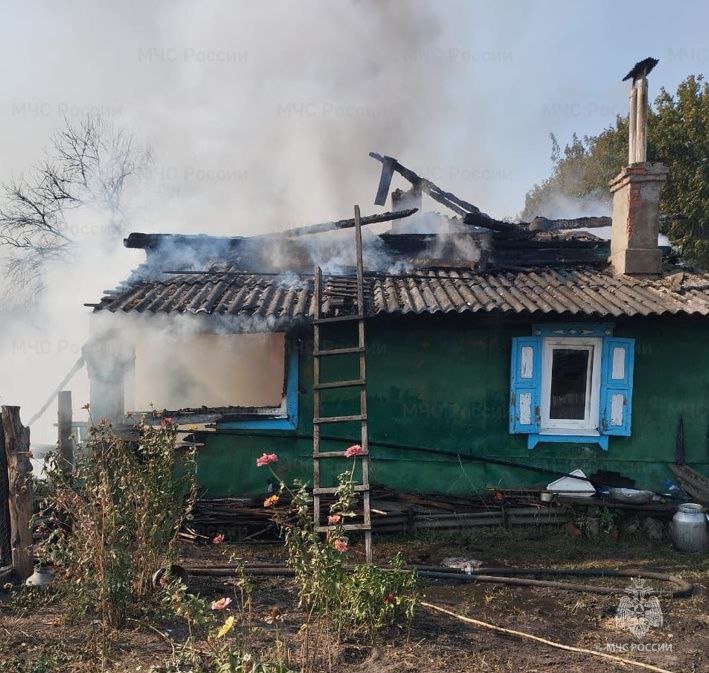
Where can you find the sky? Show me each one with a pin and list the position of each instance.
(260, 115)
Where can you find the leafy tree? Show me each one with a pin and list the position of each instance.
(678, 136)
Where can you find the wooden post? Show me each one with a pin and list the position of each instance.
(17, 450)
(5, 544)
(65, 442)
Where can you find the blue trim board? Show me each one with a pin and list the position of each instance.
(574, 329)
(601, 440)
(290, 422)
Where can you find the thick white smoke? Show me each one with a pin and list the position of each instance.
(259, 116)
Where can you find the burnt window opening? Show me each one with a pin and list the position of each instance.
(230, 375)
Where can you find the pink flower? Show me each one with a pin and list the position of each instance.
(355, 450)
(266, 458)
(334, 519)
(221, 604)
(167, 422)
(341, 545)
(218, 539)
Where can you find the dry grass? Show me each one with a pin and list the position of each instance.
(38, 641)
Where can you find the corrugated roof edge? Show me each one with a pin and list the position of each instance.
(581, 291)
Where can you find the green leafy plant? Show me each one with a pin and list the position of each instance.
(678, 136)
(356, 599)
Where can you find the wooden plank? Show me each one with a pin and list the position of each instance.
(384, 181)
(17, 451)
(339, 224)
(330, 490)
(330, 454)
(339, 419)
(434, 191)
(694, 483)
(340, 318)
(77, 366)
(330, 385)
(347, 526)
(338, 351)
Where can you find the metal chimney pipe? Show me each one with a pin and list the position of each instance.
(641, 123)
(638, 110)
(632, 112)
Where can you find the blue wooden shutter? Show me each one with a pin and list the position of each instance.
(617, 386)
(525, 384)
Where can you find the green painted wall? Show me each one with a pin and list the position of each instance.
(443, 382)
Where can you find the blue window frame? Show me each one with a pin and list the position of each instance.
(286, 416)
(571, 383)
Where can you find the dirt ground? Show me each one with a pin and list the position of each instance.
(36, 639)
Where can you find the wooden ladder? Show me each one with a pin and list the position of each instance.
(360, 382)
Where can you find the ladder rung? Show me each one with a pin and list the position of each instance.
(340, 419)
(339, 384)
(339, 318)
(347, 526)
(338, 351)
(335, 454)
(345, 287)
(331, 490)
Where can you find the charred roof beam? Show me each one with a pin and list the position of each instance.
(471, 214)
(341, 224)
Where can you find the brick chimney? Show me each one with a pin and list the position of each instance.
(636, 190)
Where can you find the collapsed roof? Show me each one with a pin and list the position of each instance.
(426, 263)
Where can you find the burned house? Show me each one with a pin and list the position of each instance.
(495, 351)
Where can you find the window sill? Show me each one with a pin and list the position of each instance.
(261, 424)
(590, 438)
(585, 432)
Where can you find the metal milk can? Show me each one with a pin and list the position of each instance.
(689, 528)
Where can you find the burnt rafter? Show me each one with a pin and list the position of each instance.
(471, 214)
(540, 223)
(507, 229)
(451, 201)
(342, 224)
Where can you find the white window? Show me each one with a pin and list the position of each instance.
(570, 390)
(571, 383)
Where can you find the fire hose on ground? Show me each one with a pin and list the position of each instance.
(490, 575)
(494, 575)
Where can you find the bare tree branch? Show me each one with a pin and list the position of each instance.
(88, 164)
